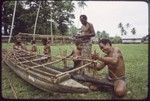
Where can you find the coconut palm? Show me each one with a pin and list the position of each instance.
(133, 31)
(81, 5)
(122, 31)
(120, 25)
(127, 25)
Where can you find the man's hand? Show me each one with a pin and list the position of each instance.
(76, 35)
(77, 58)
(95, 56)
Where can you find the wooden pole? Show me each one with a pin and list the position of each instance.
(12, 24)
(49, 63)
(51, 30)
(36, 20)
(83, 66)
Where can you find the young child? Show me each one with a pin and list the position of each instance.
(34, 48)
(76, 54)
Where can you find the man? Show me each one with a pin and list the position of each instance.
(116, 67)
(87, 31)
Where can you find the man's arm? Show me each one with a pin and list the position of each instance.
(110, 60)
(100, 66)
(88, 27)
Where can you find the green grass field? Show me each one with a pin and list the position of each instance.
(136, 62)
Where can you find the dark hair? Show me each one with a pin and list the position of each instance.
(83, 17)
(104, 41)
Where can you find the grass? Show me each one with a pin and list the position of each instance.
(136, 62)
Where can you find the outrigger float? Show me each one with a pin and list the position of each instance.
(35, 70)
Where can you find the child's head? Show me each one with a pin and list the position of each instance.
(78, 44)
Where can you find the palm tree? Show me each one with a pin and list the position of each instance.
(122, 31)
(125, 32)
(127, 25)
(133, 31)
(120, 25)
(81, 5)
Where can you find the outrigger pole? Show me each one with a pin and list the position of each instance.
(36, 21)
(12, 24)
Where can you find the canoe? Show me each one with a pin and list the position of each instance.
(42, 74)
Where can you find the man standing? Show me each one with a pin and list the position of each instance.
(116, 67)
(87, 31)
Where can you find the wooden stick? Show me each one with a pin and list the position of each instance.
(37, 66)
(42, 66)
(12, 88)
(43, 71)
(48, 74)
(27, 56)
(73, 70)
(88, 60)
(32, 60)
(49, 63)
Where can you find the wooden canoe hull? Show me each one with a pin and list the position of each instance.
(43, 84)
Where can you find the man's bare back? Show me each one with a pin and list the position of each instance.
(118, 67)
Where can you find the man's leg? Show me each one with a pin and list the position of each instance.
(120, 88)
(105, 85)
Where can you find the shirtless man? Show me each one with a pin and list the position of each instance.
(87, 31)
(116, 67)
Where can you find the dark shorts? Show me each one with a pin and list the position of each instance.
(108, 84)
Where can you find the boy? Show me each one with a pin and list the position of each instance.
(76, 53)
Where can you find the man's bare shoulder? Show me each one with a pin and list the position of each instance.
(90, 24)
(118, 51)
